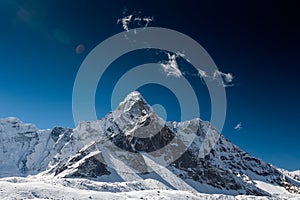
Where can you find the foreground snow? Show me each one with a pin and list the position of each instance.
(52, 188)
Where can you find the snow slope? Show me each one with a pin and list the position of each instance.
(35, 188)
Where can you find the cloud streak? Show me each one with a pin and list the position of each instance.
(238, 126)
(171, 68)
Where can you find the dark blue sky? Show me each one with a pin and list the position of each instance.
(257, 42)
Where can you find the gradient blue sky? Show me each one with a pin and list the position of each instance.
(257, 42)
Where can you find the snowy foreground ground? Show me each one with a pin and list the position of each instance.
(36, 188)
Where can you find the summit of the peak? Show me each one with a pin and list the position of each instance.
(134, 96)
(11, 120)
(135, 102)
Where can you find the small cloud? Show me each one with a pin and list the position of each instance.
(125, 21)
(143, 21)
(201, 73)
(170, 67)
(238, 126)
(226, 77)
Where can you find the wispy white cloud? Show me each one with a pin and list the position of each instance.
(201, 73)
(170, 67)
(143, 21)
(238, 126)
(134, 20)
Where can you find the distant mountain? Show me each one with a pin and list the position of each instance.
(296, 175)
(293, 174)
(121, 147)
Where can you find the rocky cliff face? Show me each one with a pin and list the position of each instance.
(123, 142)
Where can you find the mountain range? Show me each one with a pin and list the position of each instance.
(133, 153)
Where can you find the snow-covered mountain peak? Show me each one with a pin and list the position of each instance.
(135, 117)
(13, 126)
(15, 122)
(295, 175)
(10, 120)
(135, 95)
(136, 104)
